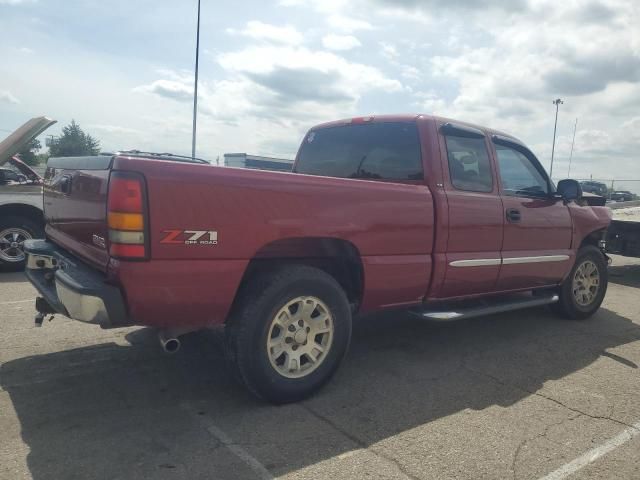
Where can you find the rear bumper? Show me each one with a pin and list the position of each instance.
(72, 288)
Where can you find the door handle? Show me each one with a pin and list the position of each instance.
(513, 215)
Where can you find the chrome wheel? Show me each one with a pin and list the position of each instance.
(12, 244)
(586, 283)
(300, 337)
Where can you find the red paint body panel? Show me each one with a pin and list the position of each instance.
(396, 280)
(475, 231)
(532, 275)
(74, 217)
(405, 234)
(545, 229)
(389, 224)
(178, 293)
(587, 220)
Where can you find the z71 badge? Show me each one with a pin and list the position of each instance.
(190, 237)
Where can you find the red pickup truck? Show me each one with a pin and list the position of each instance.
(441, 218)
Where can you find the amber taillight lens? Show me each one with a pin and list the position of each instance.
(126, 216)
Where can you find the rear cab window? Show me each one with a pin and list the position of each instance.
(373, 151)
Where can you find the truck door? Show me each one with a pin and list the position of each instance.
(536, 249)
(475, 212)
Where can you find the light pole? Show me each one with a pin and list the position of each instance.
(573, 142)
(557, 103)
(195, 89)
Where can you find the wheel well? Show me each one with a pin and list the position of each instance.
(594, 238)
(22, 210)
(338, 258)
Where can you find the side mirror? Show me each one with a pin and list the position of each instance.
(569, 190)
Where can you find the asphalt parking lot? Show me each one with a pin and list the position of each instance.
(519, 396)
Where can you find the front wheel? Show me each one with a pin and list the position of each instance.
(583, 291)
(288, 333)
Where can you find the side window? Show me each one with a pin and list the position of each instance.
(469, 165)
(519, 175)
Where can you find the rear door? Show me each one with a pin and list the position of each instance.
(475, 212)
(536, 249)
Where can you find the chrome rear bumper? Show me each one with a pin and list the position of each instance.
(72, 288)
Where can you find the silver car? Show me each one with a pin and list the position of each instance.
(20, 194)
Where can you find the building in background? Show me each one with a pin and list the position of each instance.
(243, 160)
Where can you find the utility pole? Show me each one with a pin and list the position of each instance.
(557, 103)
(572, 144)
(195, 89)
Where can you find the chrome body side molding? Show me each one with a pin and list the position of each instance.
(479, 262)
(539, 259)
(484, 262)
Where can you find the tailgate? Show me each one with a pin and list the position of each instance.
(75, 205)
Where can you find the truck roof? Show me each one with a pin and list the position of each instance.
(412, 117)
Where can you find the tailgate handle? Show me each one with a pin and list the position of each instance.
(65, 184)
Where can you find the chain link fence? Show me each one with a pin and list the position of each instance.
(615, 186)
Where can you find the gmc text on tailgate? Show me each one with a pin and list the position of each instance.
(439, 218)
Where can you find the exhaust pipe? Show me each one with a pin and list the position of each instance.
(169, 343)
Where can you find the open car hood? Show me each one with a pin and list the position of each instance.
(17, 140)
(25, 169)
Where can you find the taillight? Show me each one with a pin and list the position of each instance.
(126, 216)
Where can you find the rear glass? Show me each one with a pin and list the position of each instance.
(389, 151)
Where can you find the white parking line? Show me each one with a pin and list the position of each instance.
(17, 301)
(237, 450)
(594, 454)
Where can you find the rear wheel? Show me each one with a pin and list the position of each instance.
(14, 231)
(583, 291)
(289, 332)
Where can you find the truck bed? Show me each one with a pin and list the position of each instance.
(624, 232)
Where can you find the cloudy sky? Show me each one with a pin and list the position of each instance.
(270, 70)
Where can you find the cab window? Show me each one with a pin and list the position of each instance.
(469, 165)
(519, 175)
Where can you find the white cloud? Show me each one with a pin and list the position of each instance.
(7, 97)
(175, 89)
(300, 73)
(348, 24)
(113, 129)
(15, 2)
(340, 42)
(429, 102)
(409, 72)
(270, 33)
(388, 51)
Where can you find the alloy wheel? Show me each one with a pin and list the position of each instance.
(12, 244)
(300, 336)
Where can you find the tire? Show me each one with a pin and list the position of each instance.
(586, 301)
(283, 294)
(16, 228)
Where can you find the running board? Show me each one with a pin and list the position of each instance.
(484, 307)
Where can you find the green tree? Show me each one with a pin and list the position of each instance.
(74, 142)
(29, 154)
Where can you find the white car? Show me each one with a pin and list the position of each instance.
(20, 194)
